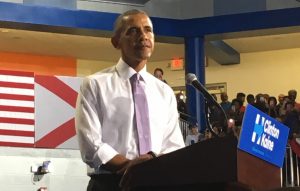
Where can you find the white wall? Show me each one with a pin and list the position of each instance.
(69, 172)
(87, 67)
(272, 72)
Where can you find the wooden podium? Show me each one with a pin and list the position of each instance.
(215, 164)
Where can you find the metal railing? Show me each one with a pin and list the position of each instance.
(185, 123)
(184, 127)
(290, 169)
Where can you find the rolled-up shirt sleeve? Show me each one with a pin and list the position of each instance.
(94, 152)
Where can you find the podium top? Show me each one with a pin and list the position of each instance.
(210, 161)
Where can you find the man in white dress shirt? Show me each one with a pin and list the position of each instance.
(105, 112)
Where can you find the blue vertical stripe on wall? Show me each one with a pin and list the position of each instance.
(222, 7)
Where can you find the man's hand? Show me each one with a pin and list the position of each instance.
(126, 170)
(116, 163)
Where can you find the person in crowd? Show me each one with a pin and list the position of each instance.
(292, 95)
(235, 112)
(159, 73)
(181, 106)
(260, 103)
(232, 129)
(207, 134)
(241, 96)
(272, 102)
(194, 135)
(291, 119)
(250, 99)
(124, 115)
(266, 96)
(280, 105)
(225, 104)
(283, 109)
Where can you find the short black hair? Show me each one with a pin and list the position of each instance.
(118, 24)
(240, 94)
(251, 96)
(159, 69)
(236, 101)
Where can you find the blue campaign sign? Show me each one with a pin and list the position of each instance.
(263, 136)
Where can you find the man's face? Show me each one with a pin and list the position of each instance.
(242, 98)
(280, 99)
(224, 97)
(136, 39)
(158, 74)
(292, 95)
(194, 130)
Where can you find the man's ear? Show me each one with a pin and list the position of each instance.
(115, 42)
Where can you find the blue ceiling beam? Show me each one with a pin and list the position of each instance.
(40, 17)
(243, 22)
(80, 21)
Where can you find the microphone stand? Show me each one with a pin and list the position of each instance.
(191, 79)
(208, 112)
(207, 121)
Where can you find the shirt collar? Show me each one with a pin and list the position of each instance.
(125, 71)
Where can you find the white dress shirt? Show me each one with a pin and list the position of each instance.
(105, 116)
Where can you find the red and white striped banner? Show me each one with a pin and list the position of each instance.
(17, 108)
(55, 100)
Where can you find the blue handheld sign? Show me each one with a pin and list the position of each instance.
(263, 136)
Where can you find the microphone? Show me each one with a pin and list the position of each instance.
(192, 80)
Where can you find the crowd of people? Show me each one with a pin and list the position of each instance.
(284, 108)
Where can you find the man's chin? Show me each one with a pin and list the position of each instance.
(145, 56)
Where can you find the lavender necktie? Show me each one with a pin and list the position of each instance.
(141, 114)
